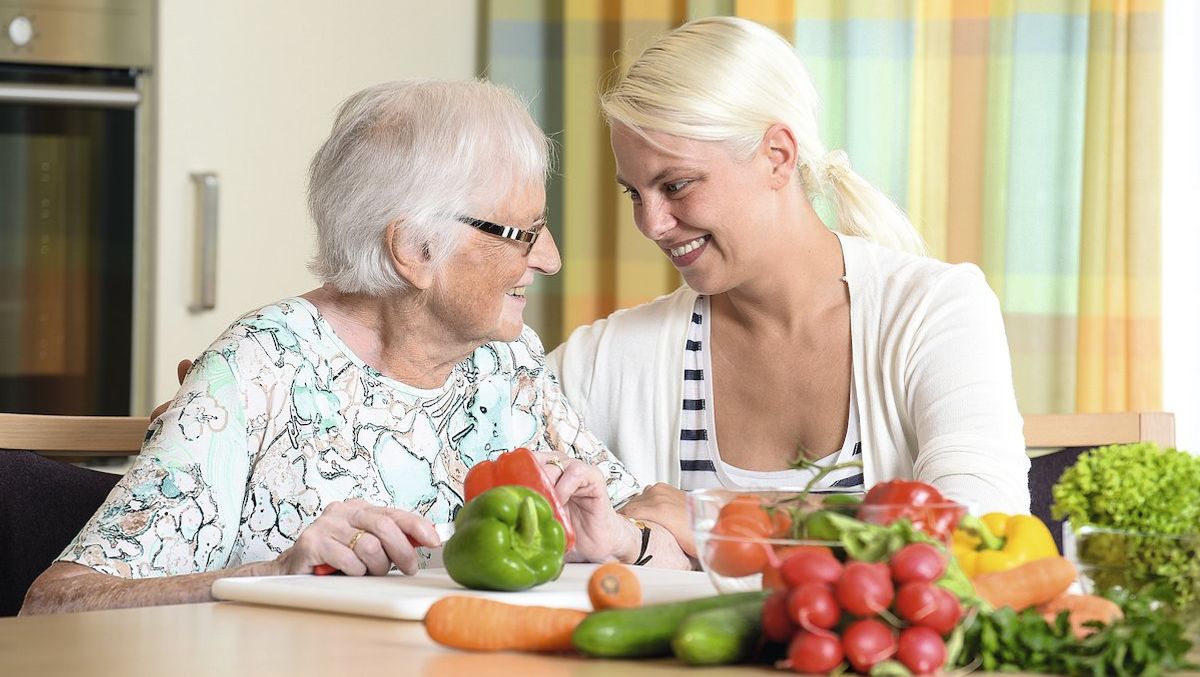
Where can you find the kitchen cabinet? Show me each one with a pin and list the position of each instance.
(248, 91)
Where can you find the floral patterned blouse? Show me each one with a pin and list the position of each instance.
(278, 418)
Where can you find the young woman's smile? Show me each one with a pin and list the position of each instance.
(697, 202)
(686, 253)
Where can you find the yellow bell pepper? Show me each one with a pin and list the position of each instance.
(998, 542)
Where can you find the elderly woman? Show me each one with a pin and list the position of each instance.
(792, 338)
(337, 426)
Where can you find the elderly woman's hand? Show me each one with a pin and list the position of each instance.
(600, 532)
(357, 538)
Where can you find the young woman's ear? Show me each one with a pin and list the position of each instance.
(779, 148)
(410, 260)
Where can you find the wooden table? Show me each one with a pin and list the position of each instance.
(227, 638)
(234, 639)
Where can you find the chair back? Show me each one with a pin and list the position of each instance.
(75, 435)
(44, 502)
(1055, 441)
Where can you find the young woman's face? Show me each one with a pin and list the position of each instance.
(698, 203)
(481, 289)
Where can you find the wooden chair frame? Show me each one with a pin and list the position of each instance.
(87, 436)
(1050, 431)
(123, 435)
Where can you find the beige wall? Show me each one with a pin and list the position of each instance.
(248, 90)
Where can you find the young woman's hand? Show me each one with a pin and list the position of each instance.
(667, 506)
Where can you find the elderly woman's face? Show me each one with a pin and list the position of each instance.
(481, 288)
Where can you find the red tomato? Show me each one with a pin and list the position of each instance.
(814, 654)
(868, 642)
(920, 503)
(921, 650)
(781, 522)
(748, 506)
(940, 522)
(771, 579)
(903, 492)
(731, 549)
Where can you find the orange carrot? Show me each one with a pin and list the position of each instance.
(1026, 585)
(614, 586)
(479, 624)
(1082, 608)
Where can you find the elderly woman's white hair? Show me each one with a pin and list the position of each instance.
(416, 153)
(728, 79)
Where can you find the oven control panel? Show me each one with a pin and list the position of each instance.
(88, 33)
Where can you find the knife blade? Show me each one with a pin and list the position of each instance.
(444, 531)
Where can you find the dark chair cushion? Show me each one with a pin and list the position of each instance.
(1044, 472)
(43, 504)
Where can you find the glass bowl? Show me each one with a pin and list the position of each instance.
(742, 535)
(1161, 567)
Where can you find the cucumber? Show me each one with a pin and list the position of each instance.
(719, 636)
(648, 630)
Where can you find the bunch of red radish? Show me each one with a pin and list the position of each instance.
(861, 612)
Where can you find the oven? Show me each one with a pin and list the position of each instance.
(75, 246)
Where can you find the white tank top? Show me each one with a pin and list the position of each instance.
(700, 463)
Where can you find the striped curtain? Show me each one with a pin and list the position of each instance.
(1020, 135)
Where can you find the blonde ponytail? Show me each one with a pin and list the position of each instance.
(862, 209)
(728, 79)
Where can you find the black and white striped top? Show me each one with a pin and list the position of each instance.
(700, 461)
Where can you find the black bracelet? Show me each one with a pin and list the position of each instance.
(642, 557)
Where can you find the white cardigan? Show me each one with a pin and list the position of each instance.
(931, 367)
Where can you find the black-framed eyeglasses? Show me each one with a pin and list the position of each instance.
(527, 236)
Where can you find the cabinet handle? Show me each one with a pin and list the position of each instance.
(207, 199)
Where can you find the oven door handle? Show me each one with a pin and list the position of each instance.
(69, 95)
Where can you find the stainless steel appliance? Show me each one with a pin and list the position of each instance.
(74, 201)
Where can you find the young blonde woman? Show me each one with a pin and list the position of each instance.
(835, 342)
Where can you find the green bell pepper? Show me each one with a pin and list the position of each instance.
(505, 539)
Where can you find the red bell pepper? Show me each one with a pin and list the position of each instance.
(520, 467)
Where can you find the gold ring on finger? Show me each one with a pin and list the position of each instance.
(354, 539)
(557, 463)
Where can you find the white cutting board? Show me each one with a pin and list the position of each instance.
(409, 597)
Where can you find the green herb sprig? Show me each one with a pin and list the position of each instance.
(1142, 643)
